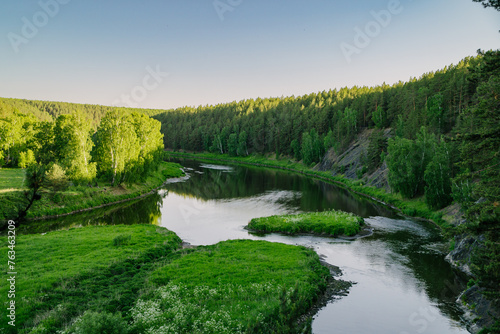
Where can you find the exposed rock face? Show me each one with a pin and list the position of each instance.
(351, 160)
(461, 256)
(479, 310)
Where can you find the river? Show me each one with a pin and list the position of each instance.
(403, 285)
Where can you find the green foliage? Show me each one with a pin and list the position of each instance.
(435, 112)
(379, 118)
(232, 145)
(73, 144)
(407, 162)
(117, 146)
(297, 153)
(170, 169)
(16, 130)
(438, 178)
(377, 146)
(307, 149)
(242, 144)
(312, 147)
(486, 265)
(329, 140)
(98, 322)
(331, 223)
(11, 179)
(232, 287)
(55, 179)
(26, 159)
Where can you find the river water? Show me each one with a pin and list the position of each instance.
(403, 285)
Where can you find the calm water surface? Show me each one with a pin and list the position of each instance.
(403, 284)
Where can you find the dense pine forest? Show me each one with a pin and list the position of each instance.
(443, 146)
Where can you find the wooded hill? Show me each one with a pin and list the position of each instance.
(445, 141)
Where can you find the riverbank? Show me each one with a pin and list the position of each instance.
(326, 223)
(84, 198)
(139, 278)
(415, 208)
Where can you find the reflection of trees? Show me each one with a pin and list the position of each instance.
(330, 196)
(251, 181)
(143, 211)
(440, 281)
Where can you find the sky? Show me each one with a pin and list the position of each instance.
(173, 53)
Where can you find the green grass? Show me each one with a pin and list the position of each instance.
(11, 179)
(136, 275)
(62, 274)
(82, 197)
(409, 207)
(330, 223)
(231, 287)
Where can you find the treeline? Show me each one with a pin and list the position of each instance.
(49, 111)
(271, 125)
(124, 147)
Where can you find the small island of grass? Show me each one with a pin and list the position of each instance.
(329, 223)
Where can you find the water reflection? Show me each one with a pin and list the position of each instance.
(240, 182)
(144, 211)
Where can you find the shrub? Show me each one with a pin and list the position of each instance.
(122, 239)
(55, 179)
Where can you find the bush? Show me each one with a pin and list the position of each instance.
(102, 322)
(55, 179)
(122, 239)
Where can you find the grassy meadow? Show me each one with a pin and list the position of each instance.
(136, 279)
(65, 273)
(75, 198)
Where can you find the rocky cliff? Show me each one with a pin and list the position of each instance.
(351, 163)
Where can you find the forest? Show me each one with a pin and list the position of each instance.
(443, 146)
(74, 149)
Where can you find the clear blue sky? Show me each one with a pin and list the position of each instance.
(90, 51)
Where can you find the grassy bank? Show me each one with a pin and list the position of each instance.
(329, 223)
(412, 208)
(135, 279)
(62, 274)
(233, 287)
(76, 198)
